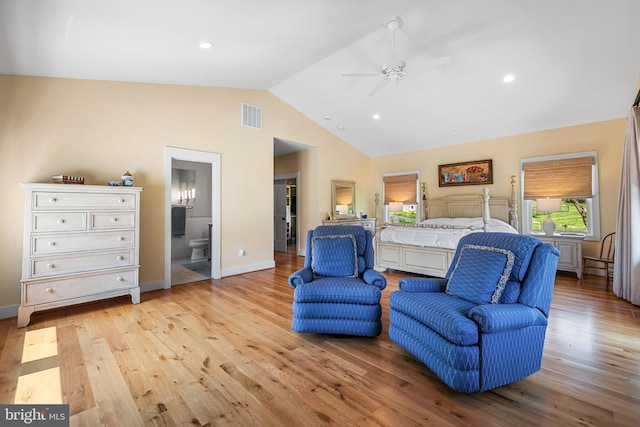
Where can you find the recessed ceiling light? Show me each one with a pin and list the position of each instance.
(205, 45)
(376, 116)
(327, 117)
(509, 78)
(340, 127)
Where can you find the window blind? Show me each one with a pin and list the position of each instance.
(559, 179)
(401, 188)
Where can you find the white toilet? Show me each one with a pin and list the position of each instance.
(198, 246)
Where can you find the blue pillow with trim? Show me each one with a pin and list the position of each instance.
(480, 274)
(334, 256)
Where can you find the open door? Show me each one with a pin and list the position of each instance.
(280, 215)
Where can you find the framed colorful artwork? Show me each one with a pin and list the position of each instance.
(465, 173)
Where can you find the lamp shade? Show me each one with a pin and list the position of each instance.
(395, 206)
(549, 205)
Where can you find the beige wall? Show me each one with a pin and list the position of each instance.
(607, 138)
(318, 167)
(101, 129)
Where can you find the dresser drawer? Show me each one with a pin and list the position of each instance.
(63, 221)
(111, 220)
(59, 200)
(60, 289)
(51, 266)
(61, 243)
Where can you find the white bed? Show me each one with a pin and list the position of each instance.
(428, 248)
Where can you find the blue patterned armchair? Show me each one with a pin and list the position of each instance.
(337, 291)
(484, 324)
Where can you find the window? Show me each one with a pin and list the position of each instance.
(400, 194)
(572, 178)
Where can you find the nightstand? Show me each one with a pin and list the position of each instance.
(570, 247)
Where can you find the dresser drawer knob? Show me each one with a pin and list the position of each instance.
(52, 243)
(120, 279)
(61, 221)
(48, 289)
(119, 257)
(120, 238)
(114, 219)
(50, 265)
(53, 200)
(122, 200)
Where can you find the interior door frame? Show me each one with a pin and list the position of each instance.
(170, 154)
(280, 241)
(296, 176)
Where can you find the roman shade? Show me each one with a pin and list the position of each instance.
(401, 188)
(559, 179)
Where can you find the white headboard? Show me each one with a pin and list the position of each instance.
(475, 205)
(471, 206)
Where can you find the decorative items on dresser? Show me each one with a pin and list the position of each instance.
(366, 223)
(81, 243)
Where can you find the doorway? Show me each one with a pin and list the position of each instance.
(286, 211)
(183, 157)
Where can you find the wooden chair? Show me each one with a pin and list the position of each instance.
(606, 257)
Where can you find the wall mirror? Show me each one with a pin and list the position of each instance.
(183, 183)
(343, 199)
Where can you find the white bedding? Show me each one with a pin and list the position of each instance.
(441, 232)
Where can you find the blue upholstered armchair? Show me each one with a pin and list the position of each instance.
(484, 324)
(337, 291)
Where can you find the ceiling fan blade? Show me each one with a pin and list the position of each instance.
(441, 61)
(359, 74)
(380, 85)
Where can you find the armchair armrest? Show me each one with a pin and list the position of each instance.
(422, 284)
(493, 318)
(301, 276)
(373, 277)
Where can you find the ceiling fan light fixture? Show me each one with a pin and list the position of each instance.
(394, 24)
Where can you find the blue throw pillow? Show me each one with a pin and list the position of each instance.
(334, 255)
(480, 274)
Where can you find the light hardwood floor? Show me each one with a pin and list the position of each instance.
(221, 352)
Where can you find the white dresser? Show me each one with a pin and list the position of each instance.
(81, 243)
(367, 224)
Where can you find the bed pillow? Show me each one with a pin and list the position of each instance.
(334, 255)
(480, 274)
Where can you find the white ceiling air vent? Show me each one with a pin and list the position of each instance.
(251, 116)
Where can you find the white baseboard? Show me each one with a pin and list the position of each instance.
(152, 286)
(9, 311)
(247, 268)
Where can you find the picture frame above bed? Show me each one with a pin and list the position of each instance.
(465, 173)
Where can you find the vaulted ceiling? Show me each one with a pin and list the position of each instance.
(572, 61)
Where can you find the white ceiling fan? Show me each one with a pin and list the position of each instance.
(394, 69)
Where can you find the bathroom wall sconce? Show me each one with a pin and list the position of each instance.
(185, 196)
(188, 195)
